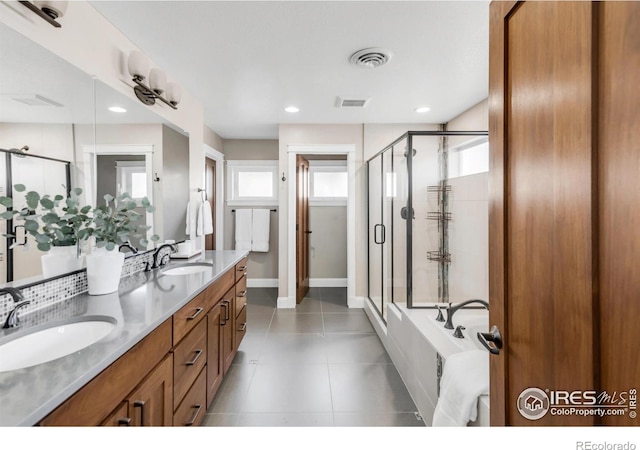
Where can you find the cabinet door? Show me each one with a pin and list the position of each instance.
(228, 328)
(215, 370)
(118, 418)
(151, 403)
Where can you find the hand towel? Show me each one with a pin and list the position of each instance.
(189, 221)
(243, 229)
(260, 230)
(207, 216)
(200, 219)
(464, 379)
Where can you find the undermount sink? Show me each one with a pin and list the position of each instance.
(187, 269)
(30, 348)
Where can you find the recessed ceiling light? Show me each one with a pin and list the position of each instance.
(422, 109)
(291, 109)
(117, 109)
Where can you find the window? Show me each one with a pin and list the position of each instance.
(131, 177)
(252, 183)
(328, 183)
(470, 158)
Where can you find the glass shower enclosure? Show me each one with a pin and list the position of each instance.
(413, 199)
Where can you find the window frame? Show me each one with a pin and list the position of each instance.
(234, 167)
(455, 154)
(326, 166)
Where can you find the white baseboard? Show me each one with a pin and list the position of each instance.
(355, 302)
(262, 282)
(327, 282)
(286, 302)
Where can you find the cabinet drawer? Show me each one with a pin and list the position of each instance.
(118, 418)
(241, 294)
(192, 409)
(219, 288)
(241, 326)
(241, 268)
(189, 316)
(189, 357)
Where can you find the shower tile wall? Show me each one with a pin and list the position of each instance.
(469, 238)
(425, 232)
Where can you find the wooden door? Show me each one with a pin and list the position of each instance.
(619, 211)
(215, 370)
(210, 190)
(542, 218)
(302, 228)
(151, 403)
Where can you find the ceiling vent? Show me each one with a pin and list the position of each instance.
(346, 102)
(371, 57)
(34, 100)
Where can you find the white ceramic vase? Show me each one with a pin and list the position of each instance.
(104, 268)
(61, 260)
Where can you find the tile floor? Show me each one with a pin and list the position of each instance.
(321, 364)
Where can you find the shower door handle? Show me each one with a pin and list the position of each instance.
(375, 233)
(15, 235)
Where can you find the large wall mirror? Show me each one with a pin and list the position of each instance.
(60, 128)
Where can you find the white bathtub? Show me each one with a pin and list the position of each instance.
(416, 341)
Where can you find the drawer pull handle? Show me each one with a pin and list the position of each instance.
(195, 358)
(244, 327)
(124, 421)
(242, 268)
(195, 415)
(140, 404)
(243, 293)
(196, 314)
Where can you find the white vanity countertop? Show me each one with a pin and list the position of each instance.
(143, 301)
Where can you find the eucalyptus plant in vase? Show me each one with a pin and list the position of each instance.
(57, 225)
(112, 224)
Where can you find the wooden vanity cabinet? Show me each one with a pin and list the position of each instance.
(172, 375)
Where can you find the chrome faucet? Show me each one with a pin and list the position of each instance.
(162, 261)
(12, 319)
(452, 309)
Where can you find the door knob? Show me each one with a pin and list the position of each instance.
(308, 232)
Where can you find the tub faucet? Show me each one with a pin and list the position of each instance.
(451, 310)
(16, 294)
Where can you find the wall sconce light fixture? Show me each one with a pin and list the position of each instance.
(48, 10)
(157, 82)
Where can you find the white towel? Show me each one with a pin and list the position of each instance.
(243, 229)
(464, 379)
(189, 221)
(260, 230)
(200, 219)
(207, 218)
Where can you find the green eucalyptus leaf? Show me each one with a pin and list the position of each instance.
(50, 218)
(19, 187)
(145, 202)
(108, 198)
(47, 203)
(45, 247)
(77, 191)
(85, 209)
(144, 243)
(32, 199)
(58, 198)
(110, 246)
(150, 209)
(6, 201)
(155, 237)
(31, 225)
(43, 239)
(8, 215)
